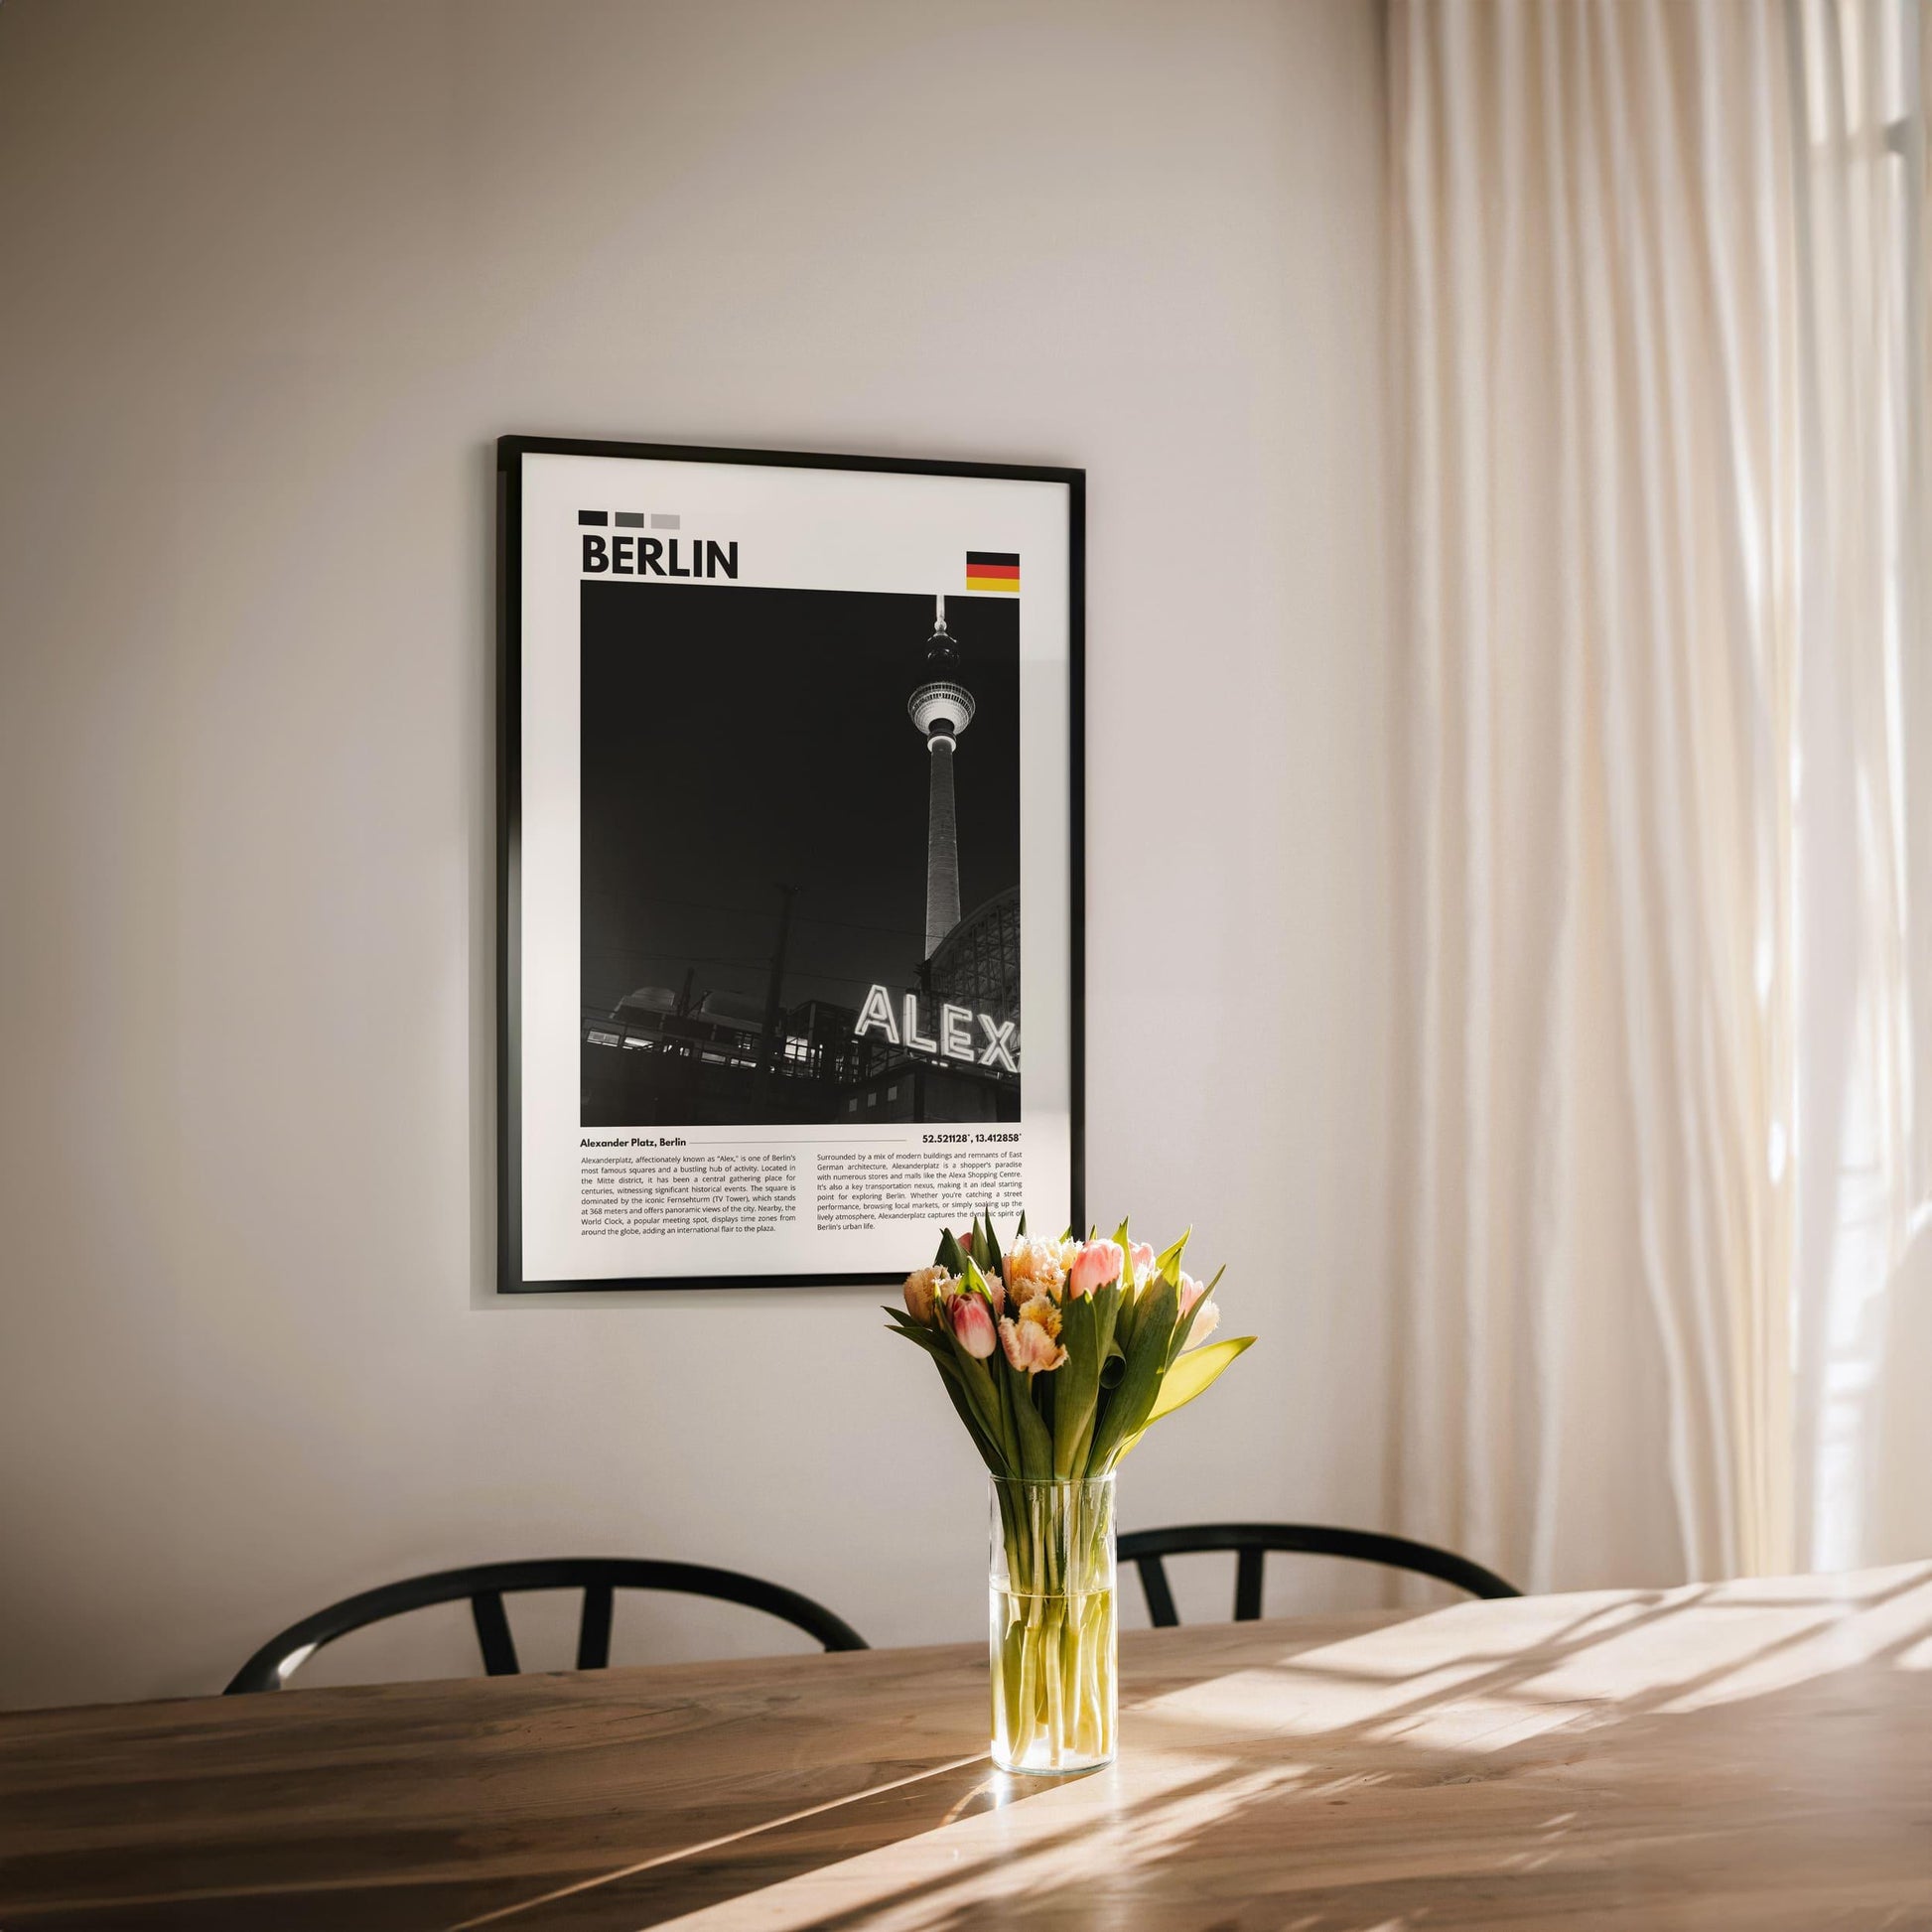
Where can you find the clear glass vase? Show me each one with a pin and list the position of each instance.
(1052, 1633)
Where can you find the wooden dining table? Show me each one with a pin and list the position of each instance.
(1751, 1754)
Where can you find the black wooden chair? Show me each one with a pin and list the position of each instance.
(1146, 1549)
(487, 1584)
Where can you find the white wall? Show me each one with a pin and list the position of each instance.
(274, 278)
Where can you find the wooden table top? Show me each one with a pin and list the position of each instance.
(1752, 1754)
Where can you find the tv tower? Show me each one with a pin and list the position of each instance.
(941, 709)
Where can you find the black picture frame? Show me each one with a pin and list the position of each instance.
(511, 449)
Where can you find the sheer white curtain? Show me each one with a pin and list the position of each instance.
(1665, 748)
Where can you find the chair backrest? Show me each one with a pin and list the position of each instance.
(487, 1584)
(1144, 1548)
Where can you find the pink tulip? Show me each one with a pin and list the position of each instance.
(1097, 1264)
(972, 1325)
(1197, 1326)
(1029, 1348)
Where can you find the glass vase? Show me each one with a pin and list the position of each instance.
(1052, 1633)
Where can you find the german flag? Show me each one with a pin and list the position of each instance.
(992, 570)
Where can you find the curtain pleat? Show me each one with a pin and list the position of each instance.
(1650, 765)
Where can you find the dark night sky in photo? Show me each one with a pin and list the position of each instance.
(735, 739)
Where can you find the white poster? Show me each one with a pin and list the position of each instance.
(789, 862)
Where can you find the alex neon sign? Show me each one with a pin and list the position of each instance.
(955, 1037)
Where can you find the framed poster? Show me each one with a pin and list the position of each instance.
(790, 871)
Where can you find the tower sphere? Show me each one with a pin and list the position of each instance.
(941, 707)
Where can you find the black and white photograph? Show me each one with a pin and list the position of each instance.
(790, 873)
(800, 855)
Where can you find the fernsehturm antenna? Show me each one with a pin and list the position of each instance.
(942, 708)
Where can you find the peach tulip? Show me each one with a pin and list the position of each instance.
(1029, 1348)
(924, 1286)
(1033, 1267)
(1043, 1310)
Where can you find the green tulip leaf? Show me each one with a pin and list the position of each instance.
(1166, 1263)
(1193, 1374)
(990, 1247)
(1036, 1438)
(1076, 1384)
(1147, 1359)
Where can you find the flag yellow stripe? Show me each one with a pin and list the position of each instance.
(993, 582)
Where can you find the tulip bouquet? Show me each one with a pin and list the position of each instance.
(1058, 1356)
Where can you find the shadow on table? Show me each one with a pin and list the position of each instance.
(1623, 1791)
